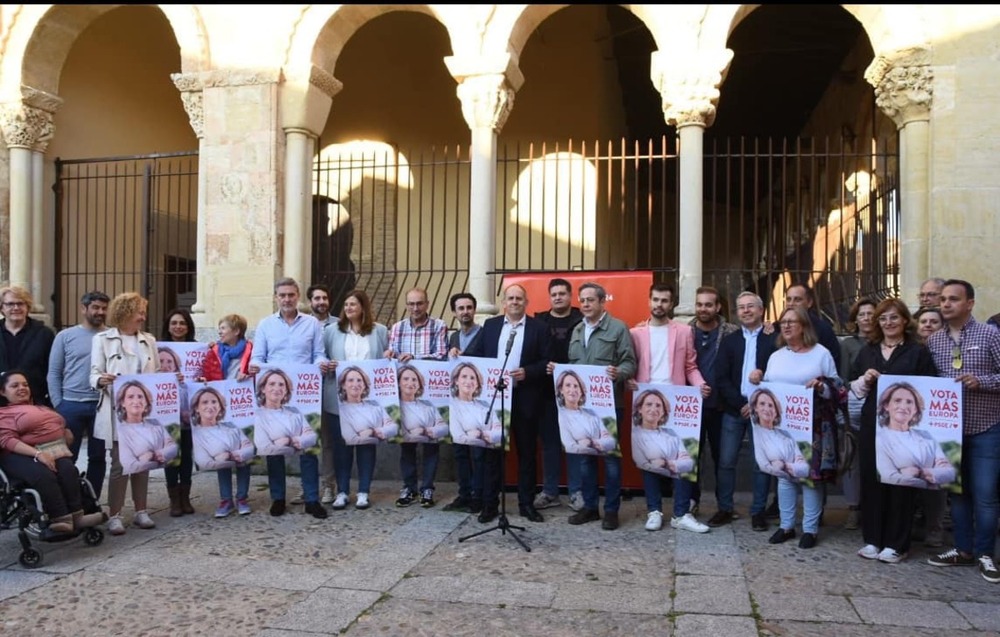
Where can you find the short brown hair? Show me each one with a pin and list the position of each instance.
(236, 322)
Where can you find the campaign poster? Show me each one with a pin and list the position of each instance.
(147, 415)
(222, 415)
(585, 397)
(369, 401)
(479, 414)
(666, 429)
(288, 410)
(424, 398)
(918, 432)
(186, 358)
(781, 416)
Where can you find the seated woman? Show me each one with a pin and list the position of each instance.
(34, 448)
(143, 443)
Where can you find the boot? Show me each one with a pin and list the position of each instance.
(83, 520)
(184, 493)
(175, 501)
(61, 525)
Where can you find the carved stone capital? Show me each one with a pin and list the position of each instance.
(191, 88)
(486, 100)
(689, 92)
(904, 84)
(29, 123)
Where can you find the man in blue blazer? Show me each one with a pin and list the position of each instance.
(739, 354)
(526, 339)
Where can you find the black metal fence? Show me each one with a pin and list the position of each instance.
(126, 224)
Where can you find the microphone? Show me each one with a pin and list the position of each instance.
(510, 341)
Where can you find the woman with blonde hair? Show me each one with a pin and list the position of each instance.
(122, 349)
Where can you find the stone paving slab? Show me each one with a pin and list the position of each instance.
(162, 563)
(708, 560)
(277, 574)
(812, 629)
(14, 583)
(701, 625)
(327, 610)
(618, 598)
(981, 616)
(711, 595)
(806, 607)
(908, 612)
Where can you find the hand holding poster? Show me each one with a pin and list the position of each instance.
(666, 428)
(918, 432)
(424, 394)
(147, 420)
(217, 430)
(186, 358)
(585, 396)
(473, 387)
(369, 401)
(288, 410)
(781, 415)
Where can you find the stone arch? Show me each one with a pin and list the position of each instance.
(41, 36)
(321, 31)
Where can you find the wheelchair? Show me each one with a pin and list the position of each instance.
(21, 508)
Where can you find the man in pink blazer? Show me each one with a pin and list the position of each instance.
(665, 353)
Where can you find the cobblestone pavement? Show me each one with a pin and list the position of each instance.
(392, 571)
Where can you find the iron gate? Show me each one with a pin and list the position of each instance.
(126, 224)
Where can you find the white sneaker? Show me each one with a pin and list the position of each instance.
(362, 501)
(654, 521)
(116, 526)
(890, 556)
(143, 521)
(340, 502)
(687, 522)
(869, 552)
(576, 500)
(327, 495)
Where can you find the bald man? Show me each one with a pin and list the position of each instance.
(524, 342)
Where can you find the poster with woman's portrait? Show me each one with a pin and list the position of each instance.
(781, 416)
(666, 429)
(424, 398)
(918, 432)
(222, 415)
(288, 401)
(186, 358)
(369, 401)
(147, 416)
(478, 415)
(585, 397)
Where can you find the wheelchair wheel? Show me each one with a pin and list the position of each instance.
(93, 537)
(30, 558)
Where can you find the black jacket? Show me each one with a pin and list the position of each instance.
(33, 359)
(729, 368)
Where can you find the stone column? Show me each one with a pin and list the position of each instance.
(690, 92)
(903, 82)
(486, 102)
(298, 213)
(240, 168)
(27, 128)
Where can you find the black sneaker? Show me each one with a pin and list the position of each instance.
(406, 498)
(427, 498)
(952, 557)
(988, 570)
(278, 508)
(584, 515)
(316, 510)
(460, 504)
(721, 518)
(758, 521)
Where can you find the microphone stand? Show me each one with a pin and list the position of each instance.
(502, 525)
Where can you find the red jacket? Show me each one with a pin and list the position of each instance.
(212, 367)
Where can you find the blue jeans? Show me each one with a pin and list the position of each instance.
(469, 471)
(548, 432)
(612, 482)
(812, 505)
(574, 482)
(408, 465)
(974, 511)
(344, 456)
(309, 466)
(730, 441)
(225, 477)
(654, 493)
(79, 417)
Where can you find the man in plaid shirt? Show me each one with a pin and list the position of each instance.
(969, 352)
(424, 337)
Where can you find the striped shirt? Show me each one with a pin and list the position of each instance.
(979, 345)
(425, 341)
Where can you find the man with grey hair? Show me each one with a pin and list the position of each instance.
(600, 339)
(740, 354)
(930, 292)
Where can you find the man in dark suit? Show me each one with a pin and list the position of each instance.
(526, 339)
(740, 353)
(802, 296)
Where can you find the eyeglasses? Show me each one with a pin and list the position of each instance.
(890, 318)
(12, 304)
(956, 357)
